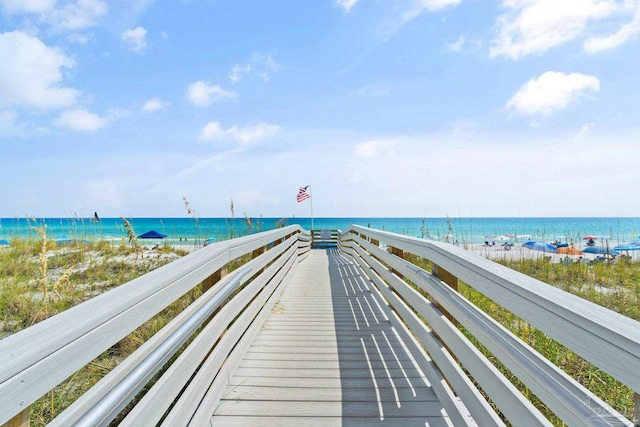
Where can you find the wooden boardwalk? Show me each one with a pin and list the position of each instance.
(328, 356)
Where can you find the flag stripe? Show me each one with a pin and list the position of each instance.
(302, 194)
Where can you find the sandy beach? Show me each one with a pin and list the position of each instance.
(517, 251)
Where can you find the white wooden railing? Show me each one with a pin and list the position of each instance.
(35, 360)
(607, 339)
(324, 238)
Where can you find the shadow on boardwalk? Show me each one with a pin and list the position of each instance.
(380, 382)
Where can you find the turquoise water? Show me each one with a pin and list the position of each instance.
(465, 230)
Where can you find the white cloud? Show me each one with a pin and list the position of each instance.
(623, 35)
(236, 73)
(346, 4)
(457, 45)
(78, 14)
(405, 11)
(243, 135)
(62, 15)
(261, 64)
(30, 75)
(435, 5)
(155, 104)
(551, 91)
(80, 120)
(27, 6)
(535, 26)
(372, 149)
(135, 39)
(202, 94)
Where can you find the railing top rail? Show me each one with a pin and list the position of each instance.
(127, 295)
(608, 339)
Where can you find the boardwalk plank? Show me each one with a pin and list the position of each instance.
(328, 356)
(297, 421)
(369, 409)
(319, 394)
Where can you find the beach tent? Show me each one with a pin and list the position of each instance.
(569, 250)
(539, 246)
(152, 234)
(3, 242)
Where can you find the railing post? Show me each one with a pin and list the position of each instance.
(256, 253)
(213, 279)
(636, 409)
(450, 280)
(20, 420)
(399, 253)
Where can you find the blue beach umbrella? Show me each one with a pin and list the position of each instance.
(540, 246)
(152, 234)
(628, 247)
(600, 250)
(211, 240)
(3, 242)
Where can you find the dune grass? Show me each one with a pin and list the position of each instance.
(39, 279)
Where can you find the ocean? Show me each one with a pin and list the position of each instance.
(464, 230)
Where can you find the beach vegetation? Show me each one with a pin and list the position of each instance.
(39, 278)
(132, 238)
(232, 234)
(196, 223)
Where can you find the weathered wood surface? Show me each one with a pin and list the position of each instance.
(329, 356)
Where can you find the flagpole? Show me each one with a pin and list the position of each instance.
(311, 199)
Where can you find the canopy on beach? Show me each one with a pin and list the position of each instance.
(540, 246)
(569, 250)
(601, 250)
(3, 242)
(631, 246)
(152, 234)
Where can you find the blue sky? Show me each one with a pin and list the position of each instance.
(386, 108)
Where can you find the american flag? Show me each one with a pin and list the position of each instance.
(302, 194)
